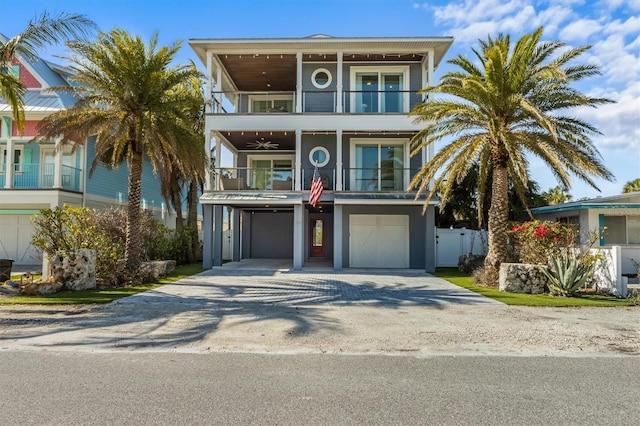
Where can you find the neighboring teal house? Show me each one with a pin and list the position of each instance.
(36, 176)
(616, 217)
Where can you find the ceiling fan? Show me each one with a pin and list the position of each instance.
(262, 144)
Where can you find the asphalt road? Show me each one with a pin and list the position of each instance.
(69, 388)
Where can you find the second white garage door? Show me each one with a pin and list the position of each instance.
(378, 241)
(15, 240)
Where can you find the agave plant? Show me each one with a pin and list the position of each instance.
(567, 274)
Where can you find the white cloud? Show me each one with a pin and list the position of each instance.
(579, 30)
(619, 121)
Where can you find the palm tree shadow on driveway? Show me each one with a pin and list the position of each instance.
(186, 312)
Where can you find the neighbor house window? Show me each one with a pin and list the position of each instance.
(16, 164)
(622, 230)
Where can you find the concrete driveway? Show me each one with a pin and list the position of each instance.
(319, 311)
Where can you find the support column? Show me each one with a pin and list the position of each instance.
(339, 106)
(299, 175)
(298, 225)
(339, 183)
(219, 86)
(217, 234)
(209, 90)
(430, 240)
(57, 168)
(207, 236)
(8, 167)
(299, 82)
(337, 237)
(235, 244)
(208, 185)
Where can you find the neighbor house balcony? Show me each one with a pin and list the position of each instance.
(40, 176)
(317, 101)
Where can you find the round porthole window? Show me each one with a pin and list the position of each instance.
(319, 156)
(321, 78)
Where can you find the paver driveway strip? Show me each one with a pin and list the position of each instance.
(406, 312)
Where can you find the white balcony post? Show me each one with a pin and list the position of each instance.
(339, 106)
(209, 90)
(8, 167)
(57, 160)
(207, 151)
(219, 86)
(339, 160)
(218, 160)
(299, 175)
(299, 82)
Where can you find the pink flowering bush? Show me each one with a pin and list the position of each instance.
(535, 241)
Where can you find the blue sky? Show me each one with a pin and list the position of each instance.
(612, 27)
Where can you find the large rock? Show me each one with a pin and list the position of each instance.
(149, 271)
(522, 278)
(76, 270)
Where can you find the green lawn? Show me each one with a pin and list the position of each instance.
(463, 280)
(100, 296)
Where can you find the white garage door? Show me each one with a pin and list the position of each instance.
(15, 239)
(378, 241)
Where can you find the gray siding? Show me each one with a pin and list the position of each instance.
(308, 143)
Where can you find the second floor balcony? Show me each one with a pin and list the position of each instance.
(379, 179)
(40, 176)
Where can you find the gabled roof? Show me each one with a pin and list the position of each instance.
(43, 100)
(622, 201)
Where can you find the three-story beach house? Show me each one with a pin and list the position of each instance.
(279, 108)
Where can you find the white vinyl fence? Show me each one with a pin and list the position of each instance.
(453, 243)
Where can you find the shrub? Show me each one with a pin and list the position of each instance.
(567, 274)
(536, 242)
(69, 229)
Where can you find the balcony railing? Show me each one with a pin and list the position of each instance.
(319, 101)
(41, 176)
(384, 179)
(244, 178)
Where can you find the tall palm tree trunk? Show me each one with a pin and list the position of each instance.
(133, 243)
(192, 221)
(498, 222)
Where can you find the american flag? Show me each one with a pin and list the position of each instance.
(316, 188)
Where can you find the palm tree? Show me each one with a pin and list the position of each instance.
(508, 104)
(41, 31)
(557, 195)
(134, 101)
(631, 186)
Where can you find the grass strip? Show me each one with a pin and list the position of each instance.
(106, 295)
(519, 299)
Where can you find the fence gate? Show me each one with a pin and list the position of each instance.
(453, 243)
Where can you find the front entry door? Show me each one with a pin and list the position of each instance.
(317, 238)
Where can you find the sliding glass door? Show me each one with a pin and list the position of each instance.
(378, 166)
(379, 91)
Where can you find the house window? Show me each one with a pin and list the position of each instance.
(319, 156)
(622, 230)
(14, 71)
(16, 165)
(379, 165)
(381, 89)
(321, 78)
(265, 170)
(269, 103)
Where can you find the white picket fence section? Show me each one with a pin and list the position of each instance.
(453, 243)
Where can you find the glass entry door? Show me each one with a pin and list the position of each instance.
(317, 238)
